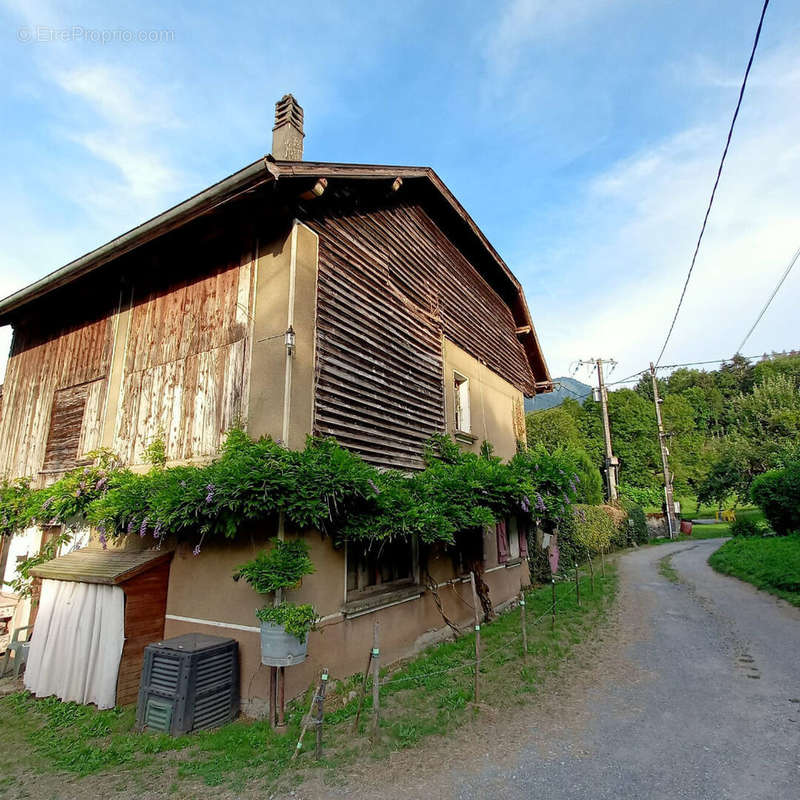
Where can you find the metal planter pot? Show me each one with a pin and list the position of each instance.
(281, 649)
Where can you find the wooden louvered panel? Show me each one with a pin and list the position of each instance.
(66, 422)
(391, 284)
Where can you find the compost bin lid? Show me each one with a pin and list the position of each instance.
(192, 642)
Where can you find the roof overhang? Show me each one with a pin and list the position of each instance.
(95, 565)
(265, 171)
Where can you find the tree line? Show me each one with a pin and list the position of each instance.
(724, 426)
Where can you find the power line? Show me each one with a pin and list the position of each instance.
(716, 182)
(771, 298)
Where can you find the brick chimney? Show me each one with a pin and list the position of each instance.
(287, 135)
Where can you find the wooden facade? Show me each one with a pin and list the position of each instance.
(391, 285)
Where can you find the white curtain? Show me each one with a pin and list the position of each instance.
(77, 642)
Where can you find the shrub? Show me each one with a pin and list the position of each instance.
(777, 494)
(295, 620)
(747, 527)
(636, 522)
(595, 527)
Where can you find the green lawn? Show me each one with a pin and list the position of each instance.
(771, 563)
(429, 694)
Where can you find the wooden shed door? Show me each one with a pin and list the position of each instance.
(66, 421)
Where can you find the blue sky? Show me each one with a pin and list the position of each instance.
(583, 136)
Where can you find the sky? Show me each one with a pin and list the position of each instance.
(583, 137)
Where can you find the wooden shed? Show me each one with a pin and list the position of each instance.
(142, 576)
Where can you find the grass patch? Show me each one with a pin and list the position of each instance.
(666, 569)
(771, 563)
(428, 695)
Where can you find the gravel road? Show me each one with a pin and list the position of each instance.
(693, 692)
(711, 708)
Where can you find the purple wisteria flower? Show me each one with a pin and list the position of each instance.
(196, 551)
(103, 538)
(525, 505)
(143, 527)
(131, 525)
(47, 503)
(540, 506)
(157, 531)
(581, 515)
(210, 489)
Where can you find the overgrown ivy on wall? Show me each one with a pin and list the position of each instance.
(324, 487)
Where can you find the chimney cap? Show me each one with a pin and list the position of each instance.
(289, 112)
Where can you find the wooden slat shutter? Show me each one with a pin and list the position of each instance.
(66, 421)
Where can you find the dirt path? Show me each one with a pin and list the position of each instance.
(691, 693)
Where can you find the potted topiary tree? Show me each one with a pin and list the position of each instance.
(285, 626)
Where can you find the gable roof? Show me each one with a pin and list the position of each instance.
(268, 171)
(95, 565)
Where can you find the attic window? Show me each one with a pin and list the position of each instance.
(66, 421)
(461, 387)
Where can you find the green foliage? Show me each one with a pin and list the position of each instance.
(595, 529)
(281, 568)
(296, 620)
(777, 494)
(155, 453)
(643, 496)
(747, 527)
(14, 502)
(771, 563)
(552, 428)
(636, 522)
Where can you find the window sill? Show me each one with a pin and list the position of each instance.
(365, 605)
(464, 437)
(514, 562)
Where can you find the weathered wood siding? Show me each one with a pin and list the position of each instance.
(48, 356)
(186, 361)
(391, 284)
(145, 610)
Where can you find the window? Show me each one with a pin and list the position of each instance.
(513, 539)
(380, 567)
(468, 551)
(461, 387)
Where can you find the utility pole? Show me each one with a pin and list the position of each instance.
(611, 461)
(662, 441)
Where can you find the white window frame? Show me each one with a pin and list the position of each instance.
(461, 406)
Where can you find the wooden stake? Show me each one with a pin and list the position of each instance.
(524, 626)
(362, 693)
(307, 720)
(591, 570)
(273, 688)
(376, 682)
(281, 697)
(603, 560)
(320, 713)
(553, 623)
(577, 586)
(477, 638)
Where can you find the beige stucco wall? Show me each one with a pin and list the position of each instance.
(286, 287)
(202, 592)
(494, 403)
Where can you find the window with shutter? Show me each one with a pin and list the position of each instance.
(66, 421)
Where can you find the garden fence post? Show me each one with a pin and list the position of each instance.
(273, 691)
(362, 693)
(591, 570)
(376, 682)
(306, 720)
(281, 697)
(320, 713)
(603, 559)
(577, 586)
(553, 623)
(477, 637)
(524, 625)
